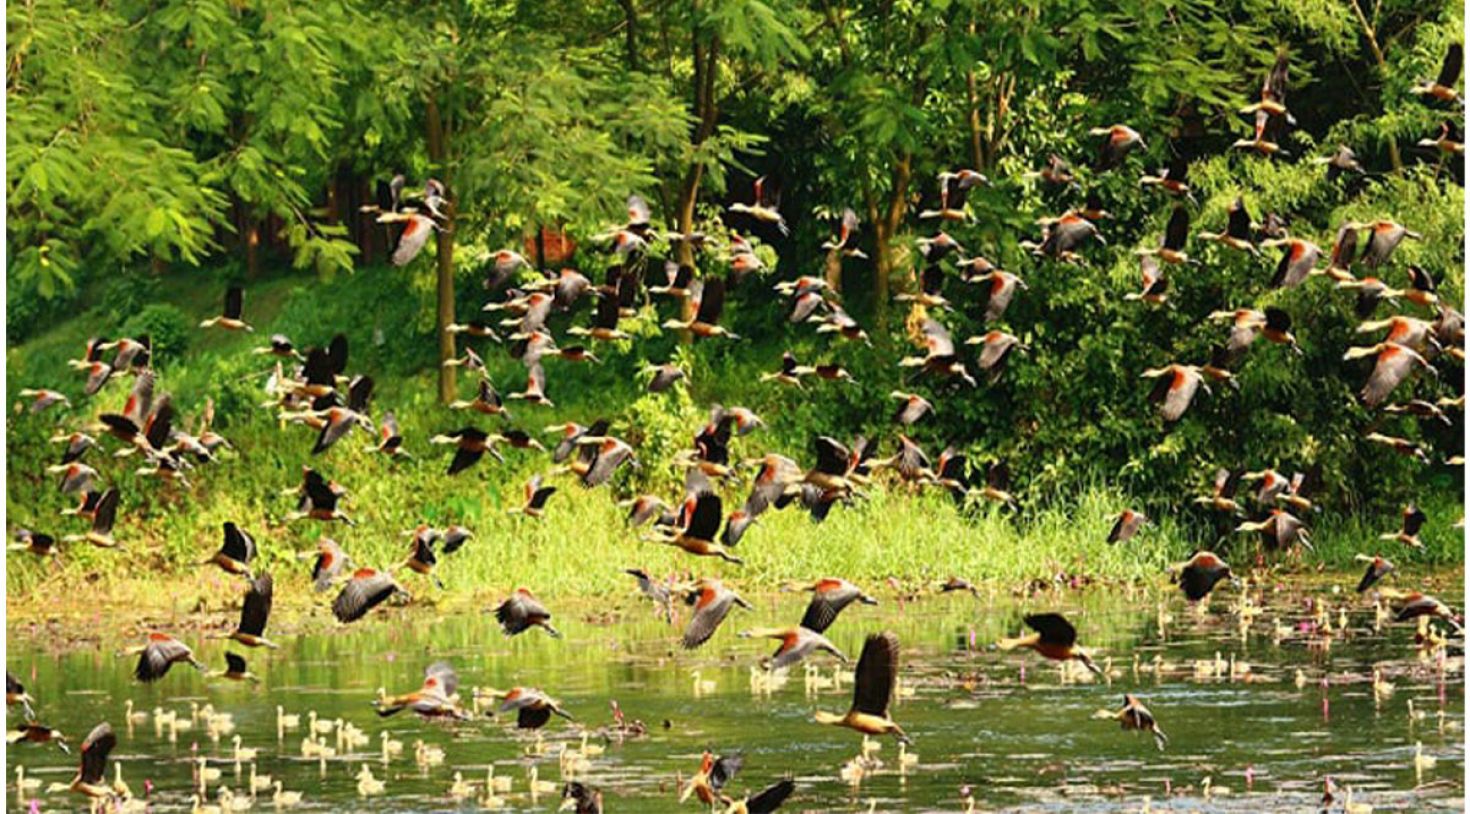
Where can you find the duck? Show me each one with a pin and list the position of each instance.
(459, 789)
(873, 682)
(243, 754)
(259, 782)
(537, 785)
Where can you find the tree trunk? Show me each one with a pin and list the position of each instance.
(438, 150)
(630, 32)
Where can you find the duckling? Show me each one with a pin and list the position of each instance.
(119, 787)
(537, 785)
(229, 802)
(391, 748)
(258, 782)
(1301, 679)
(284, 799)
(207, 774)
(498, 783)
(201, 808)
(285, 721)
(1422, 762)
(459, 789)
(367, 785)
(702, 686)
(23, 784)
(852, 772)
(591, 750)
(131, 716)
(319, 727)
(906, 759)
(1382, 688)
(243, 755)
(870, 747)
(1349, 806)
(427, 756)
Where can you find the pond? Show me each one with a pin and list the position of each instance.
(1257, 715)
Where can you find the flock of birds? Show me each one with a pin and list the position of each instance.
(314, 388)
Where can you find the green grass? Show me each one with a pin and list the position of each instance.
(582, 545)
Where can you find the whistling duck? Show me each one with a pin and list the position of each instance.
(829, 597)
(1274, 324)
(703, 514)
(791, 372)
(536, 496)
(235, 670)
(1384, 236)
(838, 321)
(1055, 638)
(35, 542)
(413, 238)
(159, 654)
(1279, 529)
(1378, 568)
(664, 376)
(1416, 604)
(434, 699)
(32, 732)
(845, 241)
(280, 346)
(535, 391)
(1419, 408)
(1238, 231)
(1341, 161)
(91, 777)
(254, 613)
(711, 601)
(1266, 138)
(1174, 179)
(1402, 446)
(15, 693)
(230, 319)
(42, 399)
(1155, 284)
(103, 518)
(1127, 525)
(1135, 717)
(1273, 91)
(1394, 363)
(1119, 140)
(714, 772)
(1408, 533)
(581, 799)
(939, 247)
(940, 357)
(98, 372)
(1176, 235)
(765, 802)
(659, 592)
(953, 188)
(1298, 261)
(1449, 141)
(523, 611)
(604, 326)
(797, 642)
(1060, 236)
(366, 590)
(235, 553)
(533, 708)
(131, 353)
(912, 407)
(1443, 86)
(705, 322)
(873, 682)
(1174, 391)
(760, 210)
(995, 349)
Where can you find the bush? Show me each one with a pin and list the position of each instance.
(169, 327)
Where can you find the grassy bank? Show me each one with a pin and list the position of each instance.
(582, 545)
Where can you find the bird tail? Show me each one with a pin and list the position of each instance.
(1160, 739)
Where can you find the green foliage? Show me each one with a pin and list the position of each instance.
(169, 328)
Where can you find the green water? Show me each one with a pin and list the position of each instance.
(1002, 723)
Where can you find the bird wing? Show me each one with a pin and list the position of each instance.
(106, 512)
(877, 670)
(771, 798)
(1392, 367)
(828, 599)
(1053, 627)
(711, 301)
(234, 302)
(257, 607)
(95, 749)
(710, 610)
(366, 591)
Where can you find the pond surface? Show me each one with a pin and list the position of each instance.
(1297, 705)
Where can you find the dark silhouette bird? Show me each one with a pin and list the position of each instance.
(523, 611)
(1135, 717)
(1054, 638)
(1200, 574)
(1239, 231)
(232, 317)
(91, 777)
(235, 554)
(1378, 568)
(158, 654)
(1443, 86)
(765, 802)
(1408, 533)
(366, 590)
(581, 799)
(254, 614)
(873, 685)
(829, 597)
(712, 602)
